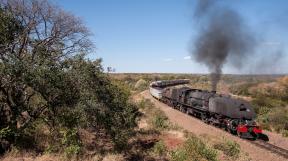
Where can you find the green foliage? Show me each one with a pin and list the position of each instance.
(9, 27)
(5, 133)
(178, 155)
(242, 89)
(194, 149)
(54, 82)
(263, 120)
(274, 120)
(69, 137)
(160, 148)
(72, 150)
(51, 149)
(142, 104)
(70, 140)
(261, 101)
(284, 133)
(278, 119)
(230, 148)
(160, 120)
(141, 85)
(105, 102)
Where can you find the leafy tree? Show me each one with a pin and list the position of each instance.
(44, 76)
(106, 103)
(32, 54)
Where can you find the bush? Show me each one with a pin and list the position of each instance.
(160, 121)
(178, 155)
(141, 85)
(70, 140)
(5, 133)
(262, 101)
(285, 133)
(72, 150)
(230, 148)
(160, 148)
(142, 104)
(278, 119)
(194, 149)
(146, 103)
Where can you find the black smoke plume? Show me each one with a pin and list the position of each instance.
(223, 37)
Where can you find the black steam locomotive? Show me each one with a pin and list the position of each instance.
(236, 116)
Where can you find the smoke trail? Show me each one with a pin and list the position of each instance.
(222, 37)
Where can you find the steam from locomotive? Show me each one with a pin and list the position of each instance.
(223, 37)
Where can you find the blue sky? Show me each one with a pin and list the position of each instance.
(155, 35)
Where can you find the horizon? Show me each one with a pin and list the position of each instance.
(276, 74)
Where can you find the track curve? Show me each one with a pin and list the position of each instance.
(274, 149)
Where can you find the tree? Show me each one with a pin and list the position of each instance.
(45, 76)
(37, 38)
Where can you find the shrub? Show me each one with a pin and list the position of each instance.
(160, 121)
(141, 85)
(142, 104)
(70, 140)
(194, 149)
(285, 133)
(278, 119)
(178, 155)
(230, 148)
(51, 149)
(5, 133)
(160, 148)
(146, 103)
(72, 150)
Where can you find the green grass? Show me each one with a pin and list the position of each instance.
(160, 148)
(230, 148)
(194, 149)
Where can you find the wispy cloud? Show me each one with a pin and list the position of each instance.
(271, 43)
(187, 57)
(168, 59)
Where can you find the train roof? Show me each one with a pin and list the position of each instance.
(165, 83)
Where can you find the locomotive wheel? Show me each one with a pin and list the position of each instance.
(255, 136)
(203, 118)
(182, 109)
(239, 134)
(232, 131)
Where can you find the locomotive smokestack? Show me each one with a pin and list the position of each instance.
(222, 37)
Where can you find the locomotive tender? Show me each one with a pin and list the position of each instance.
(234, 115)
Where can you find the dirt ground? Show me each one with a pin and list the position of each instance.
(199, 128)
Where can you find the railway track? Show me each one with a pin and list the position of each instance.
(270, 147)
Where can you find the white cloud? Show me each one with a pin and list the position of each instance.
(187, 57)
(168, 59)
(271, 43)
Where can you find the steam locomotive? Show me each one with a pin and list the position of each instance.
(234, 115)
